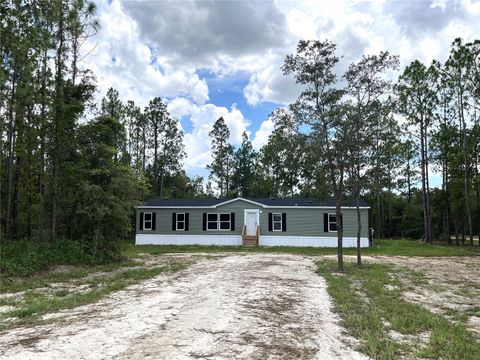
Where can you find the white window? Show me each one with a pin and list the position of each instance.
(147, 221)
(180, 221)
(277, 221)
(225, 221)
(212, 221)
(332, 222)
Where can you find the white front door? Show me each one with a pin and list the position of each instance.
(251, 221)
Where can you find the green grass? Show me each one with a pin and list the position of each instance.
(34, 303)
(369, 310)
(381, 247)
(26, 257)
(45, 278)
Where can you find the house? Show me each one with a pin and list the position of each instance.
(239, 221)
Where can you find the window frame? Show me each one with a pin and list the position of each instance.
(150, 221)
(184, 221)
(216, 221)
(278, 221)
(332, 222)
(224, 221)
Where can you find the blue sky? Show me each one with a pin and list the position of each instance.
(222, 58)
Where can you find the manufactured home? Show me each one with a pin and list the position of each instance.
(248, 222)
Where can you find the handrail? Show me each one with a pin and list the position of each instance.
(257, 235)
(244, 230)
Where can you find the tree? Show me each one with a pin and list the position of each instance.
(222, 153)
(243, 179)
(107, 188)
(366, 86)
(459, 71)
(417, 102)
(319, 107)
(166, 143)
(285, 153)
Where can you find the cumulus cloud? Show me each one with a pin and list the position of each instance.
(202, 117)
(202, 32)
(159, 48)
(262, 134)
(120, 59)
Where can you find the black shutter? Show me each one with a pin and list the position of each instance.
(174, 221)
(141, 221)
(186, 221)
(284, 221)
(204, 221)
(154, 220)
(325, 222)
(269, 221)
(232, 221)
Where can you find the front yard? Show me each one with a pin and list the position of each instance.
(402, 308)
(409, 300)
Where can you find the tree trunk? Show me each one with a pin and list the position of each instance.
(338, 211)
(409, 182)
(427, 193)
(359, 230)
(424, 197)
(466, 166)
(59, 118)
(11, 149)
(155, 159)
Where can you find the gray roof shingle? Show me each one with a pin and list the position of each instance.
(264, 201)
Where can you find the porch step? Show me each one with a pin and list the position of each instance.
(249, 241)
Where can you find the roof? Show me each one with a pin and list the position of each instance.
(265, 202)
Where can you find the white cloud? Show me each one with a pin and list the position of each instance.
(153, 48)
(262, 134)
(121, 59)
(202, 117)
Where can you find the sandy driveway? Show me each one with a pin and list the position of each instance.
(254, 306)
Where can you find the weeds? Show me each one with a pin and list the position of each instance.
(372, 317)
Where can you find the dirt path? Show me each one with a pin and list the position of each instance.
(255, 306)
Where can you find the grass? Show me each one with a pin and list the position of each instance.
(370, 312)
(381, 247)
(45, 278)
(34, 303)
(27, 257)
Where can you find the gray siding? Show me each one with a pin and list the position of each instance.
(300, 222)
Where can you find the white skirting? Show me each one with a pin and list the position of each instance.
(220, 239)
(180, 239)
(314, 241)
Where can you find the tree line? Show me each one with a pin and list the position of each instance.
(366, 134)
(73, 170)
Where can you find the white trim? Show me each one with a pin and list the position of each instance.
(264, 206)
(184, 221)
(273, 221)
(218, 217)
(229, 221)
(150, 221)
(251, 210)
(184, 239)
(331, 222)
(310, 241)
(249, 201)
(239, 198)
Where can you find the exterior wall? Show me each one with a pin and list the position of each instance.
(313, 241)
(182, 239)
(304, 226)
(236, 240)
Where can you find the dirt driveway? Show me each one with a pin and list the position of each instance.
(252, 306)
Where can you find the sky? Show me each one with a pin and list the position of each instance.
(208, 59)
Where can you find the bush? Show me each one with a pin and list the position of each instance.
(25, 258)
